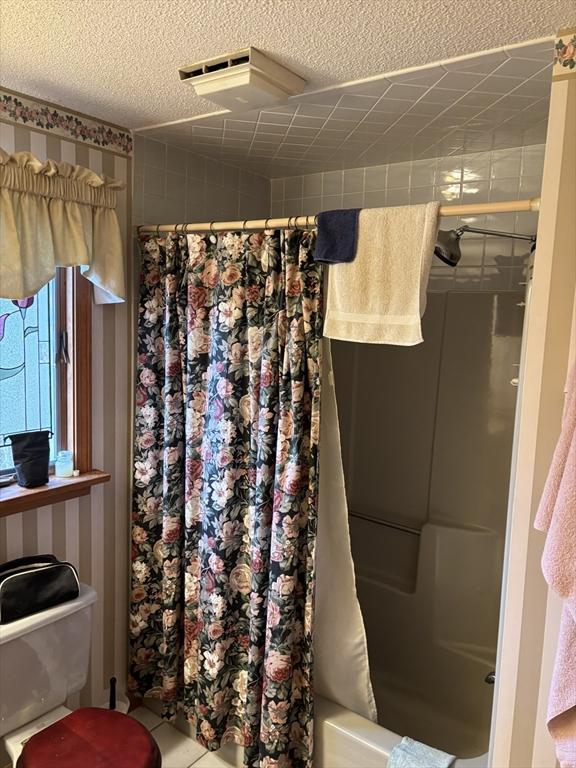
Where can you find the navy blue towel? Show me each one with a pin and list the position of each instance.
(337, 236)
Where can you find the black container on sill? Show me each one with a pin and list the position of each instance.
(31, 455)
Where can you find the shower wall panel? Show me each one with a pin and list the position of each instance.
(427, 439)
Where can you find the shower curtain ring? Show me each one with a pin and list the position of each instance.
(184, 229)
(266, 224)
(289, 222)
(158, 231)
(212, 230)
(244, 225)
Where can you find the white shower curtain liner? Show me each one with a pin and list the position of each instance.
(341, 666)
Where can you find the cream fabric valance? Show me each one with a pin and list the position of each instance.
(57, 215)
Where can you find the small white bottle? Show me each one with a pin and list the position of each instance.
(64, 464)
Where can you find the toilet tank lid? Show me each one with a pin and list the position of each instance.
(28, 624)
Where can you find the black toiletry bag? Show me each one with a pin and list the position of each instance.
(32, 584)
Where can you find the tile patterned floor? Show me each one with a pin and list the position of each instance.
(178, 750)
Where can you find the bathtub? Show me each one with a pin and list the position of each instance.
(344, 739)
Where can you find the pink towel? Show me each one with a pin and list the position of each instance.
(557, 516)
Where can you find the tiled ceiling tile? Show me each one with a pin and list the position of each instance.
(370, 88)
(460, 81)
(427, 108)
(497, 84)
(521, 67)
(545, 73)
(442, 96)
(405, 91)
(279, 118)
(315, 111)
(309, 121)
(357, 102)
(331, 97)
(542, 51)
(533, 87)
(494, 100)
(239, 125)
(484, 63)
(479, 99)
(392, 105)
(428, 77)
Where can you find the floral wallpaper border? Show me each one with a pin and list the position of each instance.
(28, 111)
(565, 54)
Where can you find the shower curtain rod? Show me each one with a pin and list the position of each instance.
(306, 222)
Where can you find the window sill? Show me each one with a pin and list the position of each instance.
(15, 499)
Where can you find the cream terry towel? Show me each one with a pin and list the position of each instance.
(380, 297)
(557, 516)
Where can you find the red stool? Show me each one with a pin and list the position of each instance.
(92, 738)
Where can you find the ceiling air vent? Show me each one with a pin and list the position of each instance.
(244, 80)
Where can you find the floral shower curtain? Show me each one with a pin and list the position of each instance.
(225, 499)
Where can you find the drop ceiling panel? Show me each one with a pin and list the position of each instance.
(492, 101)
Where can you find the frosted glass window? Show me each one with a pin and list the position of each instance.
(27, 368)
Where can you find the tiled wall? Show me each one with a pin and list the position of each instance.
(487, 263)
(173, 186)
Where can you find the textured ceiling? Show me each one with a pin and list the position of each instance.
(496, 100)
(117, 59)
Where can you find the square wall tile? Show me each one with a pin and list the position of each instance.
(496, 278)
(472, 249)
(526, 222)
(448, 193)
(353, 181)
(175, 186)
(311, 205)
(375, 199)
(139, 149)
(533, 160)
(312, 186)
(506, 163)
(475, 166)
(530, 186)
(423, 173)
(154, 181)
(475, 192)
(398, 175)
(498, 251)
(332, 183)
(155, 153)
(331, 202)
(504, 189)
(468, 278)
(398, 197)
(277, 189)
(293, 187)
(419, 195)
(353, 200)
(176, 159)
(449, 170)
(441, 279)
(196, 167)
(376, 178)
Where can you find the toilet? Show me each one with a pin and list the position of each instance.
(43, 660)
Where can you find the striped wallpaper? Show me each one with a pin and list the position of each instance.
(91, 532)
